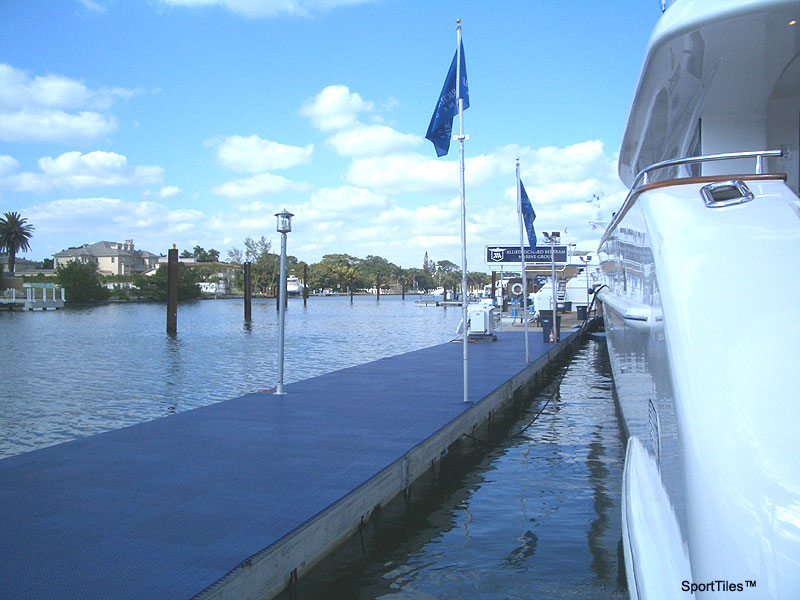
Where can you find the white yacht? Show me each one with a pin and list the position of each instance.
(701, 267)
(293, 286)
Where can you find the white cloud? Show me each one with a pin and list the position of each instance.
(94, 6)
(53, 108)
(8, 165)
(76, 221)
(403, 173)
(18, 90)
(169, 191)
(372, 140)
(269, 8)
(74, 170)
(253, 154)
(335, 107)
(415, 173)
(49, 125)
(572, 163)
(258, 185)
(333, 203)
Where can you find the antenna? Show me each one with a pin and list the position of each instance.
(663, 5)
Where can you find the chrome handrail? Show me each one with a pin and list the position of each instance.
(643, 179)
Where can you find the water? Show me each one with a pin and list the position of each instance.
(534, 515)
(80, 371)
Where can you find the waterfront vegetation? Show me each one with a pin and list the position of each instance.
(339, 273)
(15, 235)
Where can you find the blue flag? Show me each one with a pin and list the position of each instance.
(440, 130)
(528, 216)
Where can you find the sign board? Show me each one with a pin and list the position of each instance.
(510, 254)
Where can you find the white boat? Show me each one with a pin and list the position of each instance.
(293, 286)
(701, 269)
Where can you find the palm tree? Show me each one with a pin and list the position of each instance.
(348, 276)
(15, 233)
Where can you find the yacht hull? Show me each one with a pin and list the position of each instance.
(700, 312)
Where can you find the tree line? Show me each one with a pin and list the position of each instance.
(341, 273)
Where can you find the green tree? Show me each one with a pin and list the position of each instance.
(476, 280)
(420, 280)
(327, 273)
(348, 276)
(15, 235)
(372, 265)
(154, 287)
(81, 282)
(265, 266)
(235, 256)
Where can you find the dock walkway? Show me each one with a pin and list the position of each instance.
(235, 498)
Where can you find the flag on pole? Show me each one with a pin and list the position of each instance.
(528, 216)
(440, 129)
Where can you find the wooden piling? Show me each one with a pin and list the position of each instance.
(305, 284)
(172, 291)
(378, 284)
(248, 292)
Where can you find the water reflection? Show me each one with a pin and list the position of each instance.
(534, 516)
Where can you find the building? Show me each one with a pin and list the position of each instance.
(111, 258)
(21, 265)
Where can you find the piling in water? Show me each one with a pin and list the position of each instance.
(248, 292)
(305, 285)
(172, 291)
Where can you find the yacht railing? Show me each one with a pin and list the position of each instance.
(643, 177)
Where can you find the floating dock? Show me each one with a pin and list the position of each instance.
(239, 498)
(10, 301)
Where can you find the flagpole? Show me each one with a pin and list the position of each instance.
(524, 267)
(461, 138)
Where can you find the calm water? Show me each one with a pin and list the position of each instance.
(80, 371)
(530, 516)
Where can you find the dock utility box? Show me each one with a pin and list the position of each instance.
(481, 321)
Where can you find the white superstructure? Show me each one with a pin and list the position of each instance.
(702, 272)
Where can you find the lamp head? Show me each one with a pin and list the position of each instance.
(284, 221)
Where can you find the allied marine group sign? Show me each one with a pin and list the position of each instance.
(510, 254)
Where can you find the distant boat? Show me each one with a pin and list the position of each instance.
(699, 268)
(293, 286)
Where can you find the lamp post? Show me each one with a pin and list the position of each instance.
(284, 226)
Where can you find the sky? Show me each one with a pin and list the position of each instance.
(192, 122)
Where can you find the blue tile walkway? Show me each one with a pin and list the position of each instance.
(166, 508)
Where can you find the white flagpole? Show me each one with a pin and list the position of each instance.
(461, 138)
(524, 267)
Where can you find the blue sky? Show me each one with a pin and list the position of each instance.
(192, 122)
